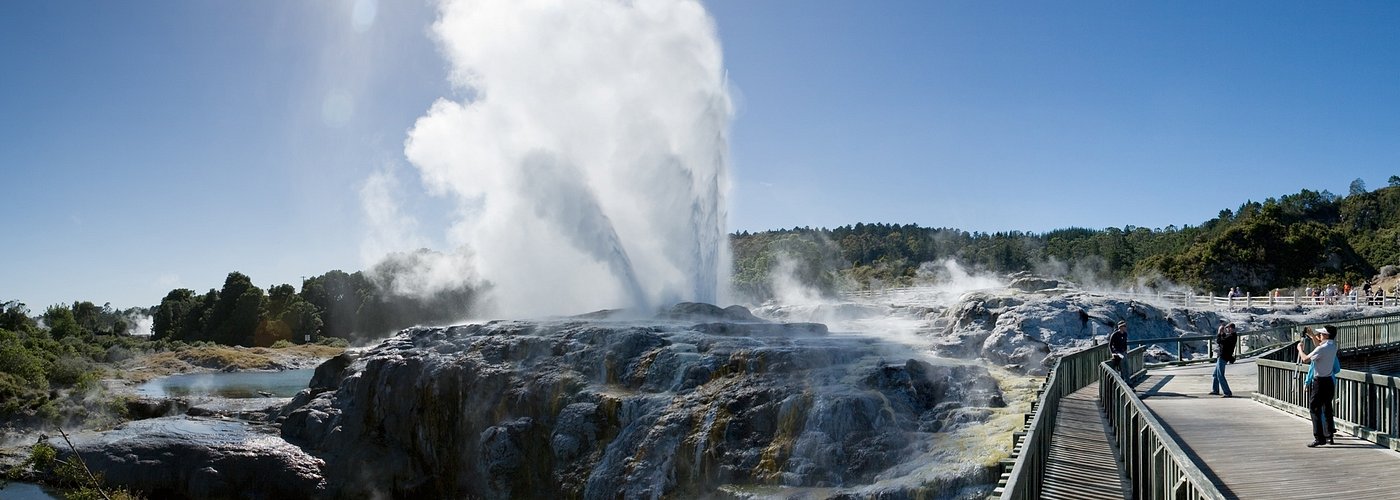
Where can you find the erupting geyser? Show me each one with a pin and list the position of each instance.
(587, 152)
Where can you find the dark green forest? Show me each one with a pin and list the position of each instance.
(1305, 239)
(352, 306)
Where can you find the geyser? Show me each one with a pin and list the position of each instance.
(586, 151)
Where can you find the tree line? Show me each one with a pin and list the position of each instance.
(351, 306)
(1309, 238)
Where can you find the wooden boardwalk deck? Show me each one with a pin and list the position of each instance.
(1251, 450)
(1081, 464)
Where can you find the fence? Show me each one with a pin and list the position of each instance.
(1154, 464)
(1250, 342)
(1225, 302)
(1355, 335)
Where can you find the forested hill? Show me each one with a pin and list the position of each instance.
(1306, 239)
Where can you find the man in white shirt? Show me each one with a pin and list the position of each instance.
(1323, 387)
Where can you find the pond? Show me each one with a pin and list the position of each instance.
(24, 491)
(282, 384)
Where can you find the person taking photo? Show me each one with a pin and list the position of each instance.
(1322, 365)
(1226, 341)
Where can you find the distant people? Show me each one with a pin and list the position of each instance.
(1225, 343)
(1323, 386)
(1118, 347)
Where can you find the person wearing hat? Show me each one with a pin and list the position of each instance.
(1225, 342)
(1323, 364)
(1118, 347)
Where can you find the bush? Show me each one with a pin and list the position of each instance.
(67, 371)
(118, 353)
(1390, 270)
(334, 342)
(282, 344)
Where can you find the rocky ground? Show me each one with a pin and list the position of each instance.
(894, 396)
(686, 404)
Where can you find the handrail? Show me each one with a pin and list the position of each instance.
(1353, 334)
(1154, 463)
(1072, 372)
(1367, 404)
(1250, 342)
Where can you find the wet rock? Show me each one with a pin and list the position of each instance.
(1034, 284)
(701, 311)
(328, 374)
(604, 409)
(142, 408)
(201, 458)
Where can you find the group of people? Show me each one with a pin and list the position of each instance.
(1320, 381)
(1347, 294)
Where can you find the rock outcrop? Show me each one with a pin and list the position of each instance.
(1025, 330)
(189, 457)
(680, 406)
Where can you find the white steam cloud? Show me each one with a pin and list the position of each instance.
(588, 157)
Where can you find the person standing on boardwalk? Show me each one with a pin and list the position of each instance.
(1118, 347)
(1225, 342)
(1323, 364)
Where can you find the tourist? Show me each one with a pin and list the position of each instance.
(1322, 360)
(1118, 347)
(1225, 342)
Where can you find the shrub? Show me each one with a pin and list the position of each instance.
(67, 371)
(282, 344)
(334, 342)
(118, 353)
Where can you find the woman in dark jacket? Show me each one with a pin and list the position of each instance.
(1225, 342)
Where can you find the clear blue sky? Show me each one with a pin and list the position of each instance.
(151, 145)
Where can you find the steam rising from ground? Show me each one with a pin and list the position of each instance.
(892, 314)
(588, 154)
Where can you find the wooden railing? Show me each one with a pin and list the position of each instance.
(1367, 404)
(1360, 335)
(1072, 372)
(1153, 462)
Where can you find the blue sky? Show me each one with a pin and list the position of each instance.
(151, 145)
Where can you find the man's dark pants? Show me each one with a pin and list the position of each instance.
(1320, 395)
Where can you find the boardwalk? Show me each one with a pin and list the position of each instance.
(1251, 450)
(1081, 463)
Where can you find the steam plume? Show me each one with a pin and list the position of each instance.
(588, 156)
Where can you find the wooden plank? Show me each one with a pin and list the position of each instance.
(1081, 463)
(1252, 450)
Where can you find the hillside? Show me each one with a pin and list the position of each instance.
(1311, 238)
